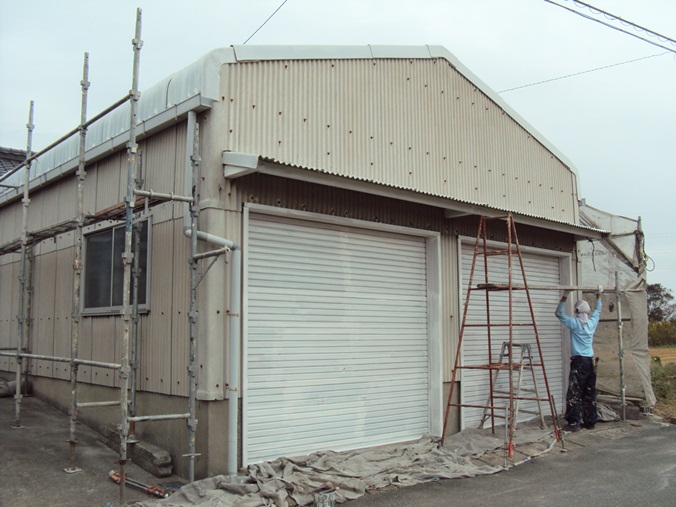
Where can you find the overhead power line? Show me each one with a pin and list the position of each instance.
(264, 22)
(583, 72)
(623, 21)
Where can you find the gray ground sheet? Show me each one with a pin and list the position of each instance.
(289, 482)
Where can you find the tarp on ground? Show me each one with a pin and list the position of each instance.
(287, 482)
(291, 481)
(621, 253)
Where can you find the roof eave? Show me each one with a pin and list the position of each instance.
(452, 207)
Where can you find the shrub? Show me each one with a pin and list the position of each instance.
(662, 334)
(664, 381)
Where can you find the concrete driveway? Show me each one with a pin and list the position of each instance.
(616, 464)
(33, 458)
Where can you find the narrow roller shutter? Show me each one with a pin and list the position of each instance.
(540, 270)
(337, 341)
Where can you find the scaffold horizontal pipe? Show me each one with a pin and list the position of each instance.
(85, 362)
(504, 286)
(107, 110)
(89, 404)
(37, 356)
(211, 253)
(64, 137)
(164, 196)
(163, 417)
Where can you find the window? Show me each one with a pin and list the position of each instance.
(104, 270)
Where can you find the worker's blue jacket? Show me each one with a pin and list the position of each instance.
(581, 335)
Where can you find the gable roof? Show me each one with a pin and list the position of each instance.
(198, 84)
(197, 87)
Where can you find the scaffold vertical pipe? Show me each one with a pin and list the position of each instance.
(136, 273)
(194, 280)
(127, 257)
(77, 269)
(22, 317)
(620, 344)
(512, 413)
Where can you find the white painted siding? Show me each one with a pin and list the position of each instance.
(540, 270)
(336, 339)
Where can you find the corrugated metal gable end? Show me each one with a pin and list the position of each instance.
(415, 124)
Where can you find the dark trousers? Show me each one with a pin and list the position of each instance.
(581, 396)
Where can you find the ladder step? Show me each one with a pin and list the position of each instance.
(517, 397)
(533, 412)
(505, 324)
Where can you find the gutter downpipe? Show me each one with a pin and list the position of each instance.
(235, 303)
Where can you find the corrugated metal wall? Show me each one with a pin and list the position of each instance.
(414, 124)
(10, 215)
(163, 332)
(9, 304)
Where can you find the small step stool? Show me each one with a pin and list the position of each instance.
(505, 364)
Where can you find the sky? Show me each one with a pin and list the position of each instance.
(616, 125)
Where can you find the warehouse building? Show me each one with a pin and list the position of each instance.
(350, 180)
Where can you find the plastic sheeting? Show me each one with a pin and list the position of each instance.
(286, 482)
(291, 481)
(621, 253)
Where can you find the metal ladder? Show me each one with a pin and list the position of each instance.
(525, 363)
(506, 362)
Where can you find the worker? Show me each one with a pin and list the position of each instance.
(581, 395)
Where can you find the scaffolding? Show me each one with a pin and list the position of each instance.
(136, 203)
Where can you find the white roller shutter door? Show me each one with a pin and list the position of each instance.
(336, 339)
(541, 270)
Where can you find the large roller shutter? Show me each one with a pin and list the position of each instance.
(540, 270)
(336, 338)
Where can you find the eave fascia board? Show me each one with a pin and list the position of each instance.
(453, 207)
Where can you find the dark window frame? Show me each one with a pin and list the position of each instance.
(104, 248)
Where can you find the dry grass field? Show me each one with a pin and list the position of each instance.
(666, 354)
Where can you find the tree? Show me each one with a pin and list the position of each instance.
(660, 303)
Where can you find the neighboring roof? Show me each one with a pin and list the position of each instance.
(10, 158)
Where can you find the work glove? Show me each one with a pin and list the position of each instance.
(599, 290)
